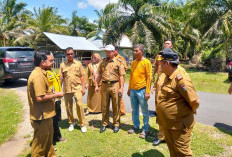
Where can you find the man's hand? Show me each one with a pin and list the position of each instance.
(147, 96)
(59, 94)
(153, 89)
(86, 86)
(120, 91)
(128, 92)
(230, 89)
(83, 91)
(96, 89)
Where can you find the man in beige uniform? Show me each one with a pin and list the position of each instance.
(111, 71)
(72, 76)
(42, 105)
(117, 55)
(157, 69)
(156, 88)
(177, 102)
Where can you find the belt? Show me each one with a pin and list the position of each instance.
(109, 82)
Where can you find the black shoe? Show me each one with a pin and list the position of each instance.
(103, 128)
(157, 142)
(87, 113)
(116, 129)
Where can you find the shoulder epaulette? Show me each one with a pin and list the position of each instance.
(179, 77)
(119, 59)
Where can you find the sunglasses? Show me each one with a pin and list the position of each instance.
(69, 54)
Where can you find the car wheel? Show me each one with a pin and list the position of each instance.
(2, 82)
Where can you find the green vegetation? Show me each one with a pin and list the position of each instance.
(11, 114)
(210, 82)
(206, 140)
(201, 29)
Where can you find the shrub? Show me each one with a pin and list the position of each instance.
(214, 59)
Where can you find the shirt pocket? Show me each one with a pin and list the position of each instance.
(169, 92)
(77, 71)
(65, 72)
(115, 69)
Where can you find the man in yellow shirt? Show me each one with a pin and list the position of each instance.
(55, 86)
(139, 89)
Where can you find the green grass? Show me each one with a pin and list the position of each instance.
(11, 114)
(206, 140)
(210, 82)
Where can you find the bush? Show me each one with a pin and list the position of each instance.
(214, 59)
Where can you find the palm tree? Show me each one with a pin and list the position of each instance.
(187, 38)
(12, 16)
(44, 20)
(11, 9)
(142, 20)
(80, 26)
(213, 18)
(105, 16)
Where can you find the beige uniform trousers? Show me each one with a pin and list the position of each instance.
(68, 98)
(43, 138)
(161, 130)
(122, 107)
(110, 91)
(178, 142)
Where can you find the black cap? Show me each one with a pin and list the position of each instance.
(169, 55)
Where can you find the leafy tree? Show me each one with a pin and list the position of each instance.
(44, 20)
(12, 17)
(142, 20)
(80, 26)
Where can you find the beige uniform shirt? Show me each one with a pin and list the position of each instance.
(123, 61)
(38, 86)
(174, 97)
(71, 73)
(111, 70)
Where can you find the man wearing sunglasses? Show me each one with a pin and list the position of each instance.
(72, 77)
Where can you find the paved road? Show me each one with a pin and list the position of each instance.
(215, 109)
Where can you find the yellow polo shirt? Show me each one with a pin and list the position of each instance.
(141, 75)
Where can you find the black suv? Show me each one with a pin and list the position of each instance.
(16, 62)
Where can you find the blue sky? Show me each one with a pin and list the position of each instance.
(66, 7)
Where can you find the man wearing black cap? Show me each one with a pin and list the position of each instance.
(176, 104)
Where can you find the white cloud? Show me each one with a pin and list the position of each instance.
(100, 4)
(82, 5)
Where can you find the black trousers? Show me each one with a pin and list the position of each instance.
(56, 119)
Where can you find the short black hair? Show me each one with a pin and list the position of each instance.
(68, 48)
(116, 47)
(40, 55)
(175, 65)
(167, 39)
